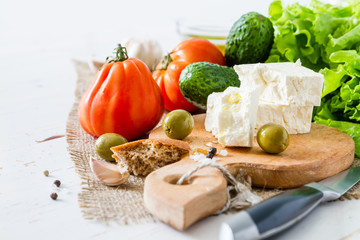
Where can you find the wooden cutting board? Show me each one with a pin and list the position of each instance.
(310, 157)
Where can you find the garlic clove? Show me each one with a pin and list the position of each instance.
(108, 173)
(147, 50)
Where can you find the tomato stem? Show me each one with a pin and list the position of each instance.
(120, 55)
(166, 61)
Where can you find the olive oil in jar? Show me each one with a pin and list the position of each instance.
(214, 33)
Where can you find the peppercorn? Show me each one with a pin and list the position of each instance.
(210, 155)
(212, 150)
(57, 183)
(46, 173)
(54, 196)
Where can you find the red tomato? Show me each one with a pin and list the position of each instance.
(167, 72)
(123, 99)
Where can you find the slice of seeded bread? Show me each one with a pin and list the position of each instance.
(144, 156)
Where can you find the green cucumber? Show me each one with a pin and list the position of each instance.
(198, 80)
(250, 40)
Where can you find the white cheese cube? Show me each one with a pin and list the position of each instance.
(283, 83)
(213, 108)
(295, 119)
(231, 116)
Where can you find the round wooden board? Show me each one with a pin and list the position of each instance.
(310, 157)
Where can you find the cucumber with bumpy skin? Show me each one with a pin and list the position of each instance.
(198, 80)
(250, 40)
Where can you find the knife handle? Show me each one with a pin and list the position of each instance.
(272, 215)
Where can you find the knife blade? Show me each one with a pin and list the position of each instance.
(282, 211)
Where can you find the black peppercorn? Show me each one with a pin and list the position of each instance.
(57, 183)
(212, 150)
(209, 155)
(54, 196)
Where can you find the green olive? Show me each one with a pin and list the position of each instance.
(273, 138)
(178, 124)
(105, 142)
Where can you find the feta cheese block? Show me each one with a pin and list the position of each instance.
(231, 116)
(283, 83)
(295, 119)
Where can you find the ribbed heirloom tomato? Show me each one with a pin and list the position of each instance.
(123, 99)
(168, 71)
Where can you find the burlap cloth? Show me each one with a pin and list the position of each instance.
(122, 204)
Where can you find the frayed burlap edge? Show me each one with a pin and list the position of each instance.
(123, 204)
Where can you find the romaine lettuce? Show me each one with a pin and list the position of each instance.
(326, 38)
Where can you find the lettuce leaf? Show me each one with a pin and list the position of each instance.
(326, 38)
(352, 129)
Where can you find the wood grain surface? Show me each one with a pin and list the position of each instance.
(310, 157)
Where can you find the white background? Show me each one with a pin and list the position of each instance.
(38, 39)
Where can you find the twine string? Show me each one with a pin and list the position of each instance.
(243, 196)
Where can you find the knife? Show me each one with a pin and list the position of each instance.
(282, 211)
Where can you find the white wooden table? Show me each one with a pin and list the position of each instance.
(38, 39)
